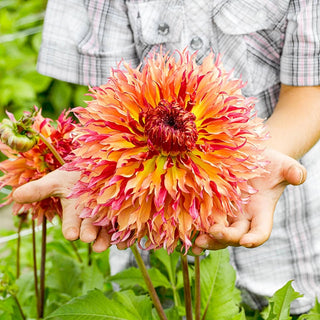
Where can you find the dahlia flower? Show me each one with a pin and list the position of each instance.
(166, 151)
(29, 157)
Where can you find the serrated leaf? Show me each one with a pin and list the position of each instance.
(316, 308)
(140, 307)
(132, 277)
(279, 303)
(219, 298)
(313, 314)
(95, 306)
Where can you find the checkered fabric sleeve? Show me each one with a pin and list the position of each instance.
(300, 60)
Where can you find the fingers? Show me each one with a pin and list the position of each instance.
(37, 190)
(70, 220)
(295, 174)
(102, 242)
(196, 250)
(57, 183)
(89, 232)
(260, 229)
(221, 236)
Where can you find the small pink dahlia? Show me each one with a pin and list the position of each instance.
(166, 152)
(30, 159)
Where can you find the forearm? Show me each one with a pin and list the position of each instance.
(295, 123)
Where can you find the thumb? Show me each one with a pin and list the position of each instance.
(54, 184)
(294, 173)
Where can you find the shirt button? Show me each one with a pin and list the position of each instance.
(196, 43)
(163, 29)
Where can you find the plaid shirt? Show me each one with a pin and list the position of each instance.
(265, 42)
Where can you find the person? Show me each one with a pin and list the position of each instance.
(274, 46)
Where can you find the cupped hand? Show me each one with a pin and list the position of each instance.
(59, 183)
(254, 226)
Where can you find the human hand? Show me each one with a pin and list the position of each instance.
(59, 183)
(253, 227)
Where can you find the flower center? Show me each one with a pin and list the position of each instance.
(170, 128)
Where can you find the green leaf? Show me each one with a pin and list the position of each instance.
(60, 95)
(9, 309)
(171, 313)
(313, 314)
(132, 277)
(37, 81)
(95, 306)
(140, 307)
(64, 275)
(20, 90)
(92, 278)
(169, 261)
(219, 297)
(279, 303)
(79, 96)
(26, 294)
(240, 316)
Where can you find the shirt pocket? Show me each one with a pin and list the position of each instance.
(250, 32)
(154, 23)
(239, 17)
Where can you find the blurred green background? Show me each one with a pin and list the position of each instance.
(21, 86)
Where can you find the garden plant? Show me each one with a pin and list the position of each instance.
(161, 159)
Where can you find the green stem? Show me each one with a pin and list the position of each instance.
(43, 265)
(75, 249)
(35, 272)
(52, 149)
(89, 254)
(146, 277)
(172, 280)
(18, 248)
(186, 287)
(197, 288)
(175, 295)
(19, 307)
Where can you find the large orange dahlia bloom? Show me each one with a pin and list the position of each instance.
(31, 164)
(167, 151)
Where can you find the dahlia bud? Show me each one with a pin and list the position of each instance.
(18, 135)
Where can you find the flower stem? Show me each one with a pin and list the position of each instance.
(19, 306)
(35, 272)
(197, 288)
(151, 289)
(89, 254)
(43, 265)
(18, 248)
(51, 148)
(186, 287)
(74, 247)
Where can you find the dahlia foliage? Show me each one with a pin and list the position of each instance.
(30, 159)
(166, 152)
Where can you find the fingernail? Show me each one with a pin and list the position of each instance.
(301, 176)
(218, 235)
(203, 245)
